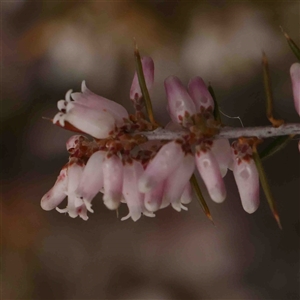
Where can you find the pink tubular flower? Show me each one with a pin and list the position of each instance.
(176, 182)
(246, 176)
(74, 207)
(91, 180)
(58, 193)
(180, 104)
(295, 76)
(209, 170)
(100, 104)
(148, 69)
(200, 94)
(222, 152)
(112, 181)
(133, 197)
(153, 198)
(187, 195)
(162, 165)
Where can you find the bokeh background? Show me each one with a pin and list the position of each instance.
(49, 47)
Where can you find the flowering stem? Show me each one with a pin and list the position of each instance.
(229, 132)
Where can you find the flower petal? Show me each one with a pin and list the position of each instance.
(58, 192)
(92, 179)
(177, 181)
(133, 197)
(200, 94)
(162, 165)
(180, 103)
(97, 124)
(247, 180)
(222, 152)
(187, 194)
(209, 170)
(112, 181)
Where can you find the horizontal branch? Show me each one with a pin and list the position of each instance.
(230, 132)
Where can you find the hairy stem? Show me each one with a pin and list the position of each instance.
(230, 132)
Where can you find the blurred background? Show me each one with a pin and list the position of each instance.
(49, 47)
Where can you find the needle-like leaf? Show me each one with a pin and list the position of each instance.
(265, 185)
(200, 197)
(269, 94)
(142, 83)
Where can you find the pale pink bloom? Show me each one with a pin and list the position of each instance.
(99, 124)
(92, 179)
(222, 152)
(148, 70)
(295, 76)
(161, 166)
(58, 192)
(74, 206)
(153, 198)
(180, 104)
(176, 182)
(100, 104)
(246, 177)
(133, 197)
(187, 195)
(112, 181)
(209, 170)
(200, 94)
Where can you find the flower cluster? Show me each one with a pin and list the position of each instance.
(125, 167)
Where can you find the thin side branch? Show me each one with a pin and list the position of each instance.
(230, 132)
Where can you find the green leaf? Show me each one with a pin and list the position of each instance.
(200, 197)
(292, 45)
(266, 187)
(269, 93)
(217, 114)
(142, 83)
(276, 145)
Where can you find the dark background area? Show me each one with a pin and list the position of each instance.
(49, 47)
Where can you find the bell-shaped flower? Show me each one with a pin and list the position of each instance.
(133, 197)
(167, 160)
(99, 104)
(247, 179)
(177, 181)
(180, 104)
(148, 70)
(75, 170)
(222, 152)
(153, 198)
(58, 192)
(112, 181)
(209, 170)
(187, 195)
(200, 94)
(92, 179)
(99, 124)
(295, 76)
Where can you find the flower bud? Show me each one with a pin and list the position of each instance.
(200, 94)
(180, 104)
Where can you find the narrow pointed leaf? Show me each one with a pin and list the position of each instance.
(276, 145)
(269, 94)
(217, 114)
(142, 83)
(292, 45)
(265, 185)
(200, 197)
